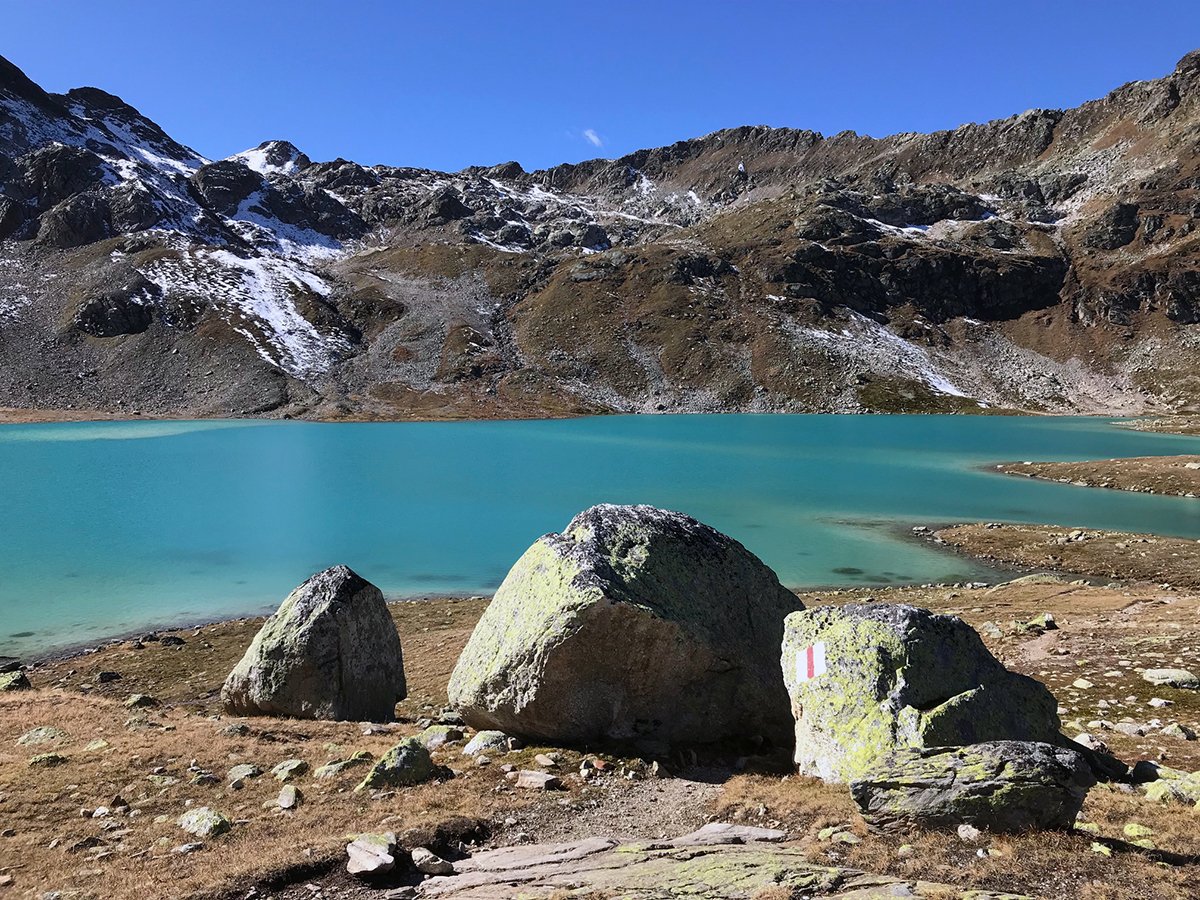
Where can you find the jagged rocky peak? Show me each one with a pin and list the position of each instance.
(274, 158)
(1044, 261)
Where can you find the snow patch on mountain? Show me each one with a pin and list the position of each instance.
(271, 158)
(864, 343)
(267, 233)
(258, 297)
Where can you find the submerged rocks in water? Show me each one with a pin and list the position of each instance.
(331, 651)
(1007, 786)
(636, 624)
(866, 679)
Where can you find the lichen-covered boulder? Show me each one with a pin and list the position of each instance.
(405, 764)
(331, 651)
(14, 681)
(1000, 786)
(634, 624)
(491, 742)
(865, 679)
(204, 822)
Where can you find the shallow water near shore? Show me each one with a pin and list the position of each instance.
(109, 527)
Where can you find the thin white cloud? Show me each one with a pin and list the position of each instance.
(589, 135)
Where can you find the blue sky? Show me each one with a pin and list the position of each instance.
(450, 84)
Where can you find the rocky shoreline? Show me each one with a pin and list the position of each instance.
(1177, 476)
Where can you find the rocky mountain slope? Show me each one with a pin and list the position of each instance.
(1048, 261)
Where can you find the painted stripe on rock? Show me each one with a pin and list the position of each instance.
(810, 662)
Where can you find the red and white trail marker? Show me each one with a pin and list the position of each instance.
(810, 662)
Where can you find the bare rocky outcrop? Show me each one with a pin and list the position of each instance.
(1046, 261)
(719, 862)
(331, 651)
(634, 624)
(998, 786)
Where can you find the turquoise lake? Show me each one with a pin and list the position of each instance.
(112, 527)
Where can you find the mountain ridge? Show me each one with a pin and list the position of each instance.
(1044, 262)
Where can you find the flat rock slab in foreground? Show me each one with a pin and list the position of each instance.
(866, 679)
(603, 867)
(1008, 786)
(635, 623)
(331, 651)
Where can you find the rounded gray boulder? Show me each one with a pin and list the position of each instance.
(1000, 786)
(331, 651)
(634, 624)
(865, 679)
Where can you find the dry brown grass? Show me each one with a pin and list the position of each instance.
(42, 805)
(1099, 627)
(1041, 864)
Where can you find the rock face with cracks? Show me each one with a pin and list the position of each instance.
(1002, 786)
(634, 624)
(898, 677)
(331, 651)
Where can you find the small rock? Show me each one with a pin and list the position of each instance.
(430, 863)
(406, 763)
(240, 773)
(333, 769)
(1176, 730)
(184, 849)
(1082, 683)
(371, 854)
(969, 834)
(107, 677)
(495, 741)
(47, 760)
(540, 781)
(545, 761)
(289, 797)
(1137, 830)
(141, 701)
(204, 822)
(439, 735)
(14, 681)
(43, 734)
(290, 769)
(1177, 678)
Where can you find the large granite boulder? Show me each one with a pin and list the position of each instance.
(1006, 786)
(866, 679)
(634, 624)
(331, 651)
